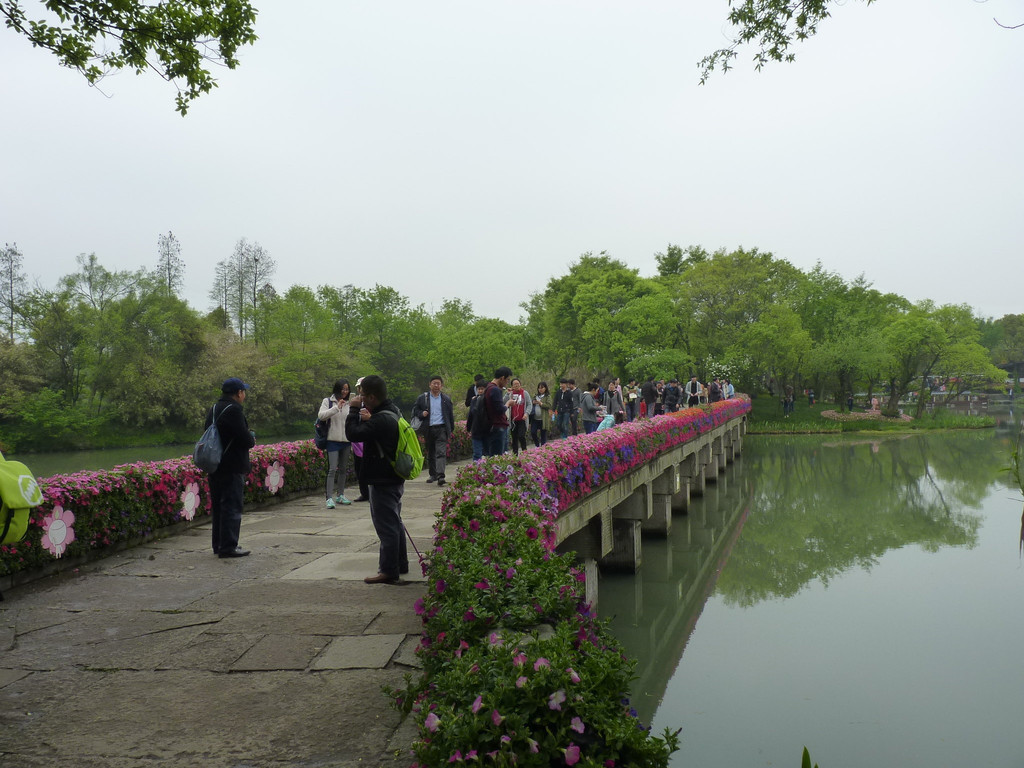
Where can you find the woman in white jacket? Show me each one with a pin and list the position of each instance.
(334, 410)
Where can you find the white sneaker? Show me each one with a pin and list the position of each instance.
(342, 500)
(330, 503)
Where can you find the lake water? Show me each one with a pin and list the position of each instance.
(860, 596)
(47, 464)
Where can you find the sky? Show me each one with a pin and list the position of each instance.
(475, 149)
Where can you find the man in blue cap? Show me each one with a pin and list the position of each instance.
(227, 483)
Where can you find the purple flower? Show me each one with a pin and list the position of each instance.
(572, 754)
(577, 725)
(440, 586)
(477, 703)
(496, 718)
(431, 722)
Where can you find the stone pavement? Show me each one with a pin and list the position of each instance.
(166, 655)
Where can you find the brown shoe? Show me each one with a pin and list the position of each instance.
(381, 578)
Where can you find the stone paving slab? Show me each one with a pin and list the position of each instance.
(277, 652)
(365, 651)
(281, 621)
(349, 566)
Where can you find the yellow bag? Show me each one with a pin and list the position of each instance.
(18, 492)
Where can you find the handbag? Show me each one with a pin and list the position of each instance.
(416, 422)
(320, 431)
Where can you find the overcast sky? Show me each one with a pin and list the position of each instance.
(475, 149)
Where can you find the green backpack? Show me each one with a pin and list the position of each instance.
(408, 461)
(18, 492)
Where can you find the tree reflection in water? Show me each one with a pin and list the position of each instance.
(821, 507)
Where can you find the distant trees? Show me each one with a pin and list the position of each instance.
(239, 283)
(104, 353)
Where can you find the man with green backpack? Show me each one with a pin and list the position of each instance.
(391, 455)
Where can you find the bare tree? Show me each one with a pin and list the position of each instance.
(170, 267)
(13, 288)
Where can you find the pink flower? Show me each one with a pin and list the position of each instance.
(577, 725)
(463, 645)
(418, 607)
(440, 586)
(496, 718)
(534, 746)
(455, 757)
(572, 675)
(57, 531)
(469, 615)
(572, 754)
(482, 585)
(519, 659)
(431, 722)
(275, 477)
(477, 703)
(190, 501)
(495, 639)
(556, 699)
(520, 681)
(541, 662)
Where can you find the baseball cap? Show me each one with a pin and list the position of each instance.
(233, 385)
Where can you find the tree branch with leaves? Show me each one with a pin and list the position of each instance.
(177, 39)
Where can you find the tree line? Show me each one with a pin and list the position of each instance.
(114, 357)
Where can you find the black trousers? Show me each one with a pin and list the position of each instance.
(518, 436)
(227, 494)
(437, 450)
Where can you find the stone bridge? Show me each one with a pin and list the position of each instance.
(606, 528)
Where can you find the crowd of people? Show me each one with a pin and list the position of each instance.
(362, 426)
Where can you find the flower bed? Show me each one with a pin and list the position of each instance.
(516, 669)
(85, 513)
(865, 416)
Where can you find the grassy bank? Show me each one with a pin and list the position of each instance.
(766, 419)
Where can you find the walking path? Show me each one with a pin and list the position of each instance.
(165, 655)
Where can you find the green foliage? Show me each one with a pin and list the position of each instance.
(773, 25)
(177, 39)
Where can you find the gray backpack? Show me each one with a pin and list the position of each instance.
(208, 451)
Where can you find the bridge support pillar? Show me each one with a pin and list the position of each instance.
(715, 462)
(663, 489)
(590, 570)
(626, 549)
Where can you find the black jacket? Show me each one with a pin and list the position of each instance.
(235, 436)
(447, 411)
(379, 436)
